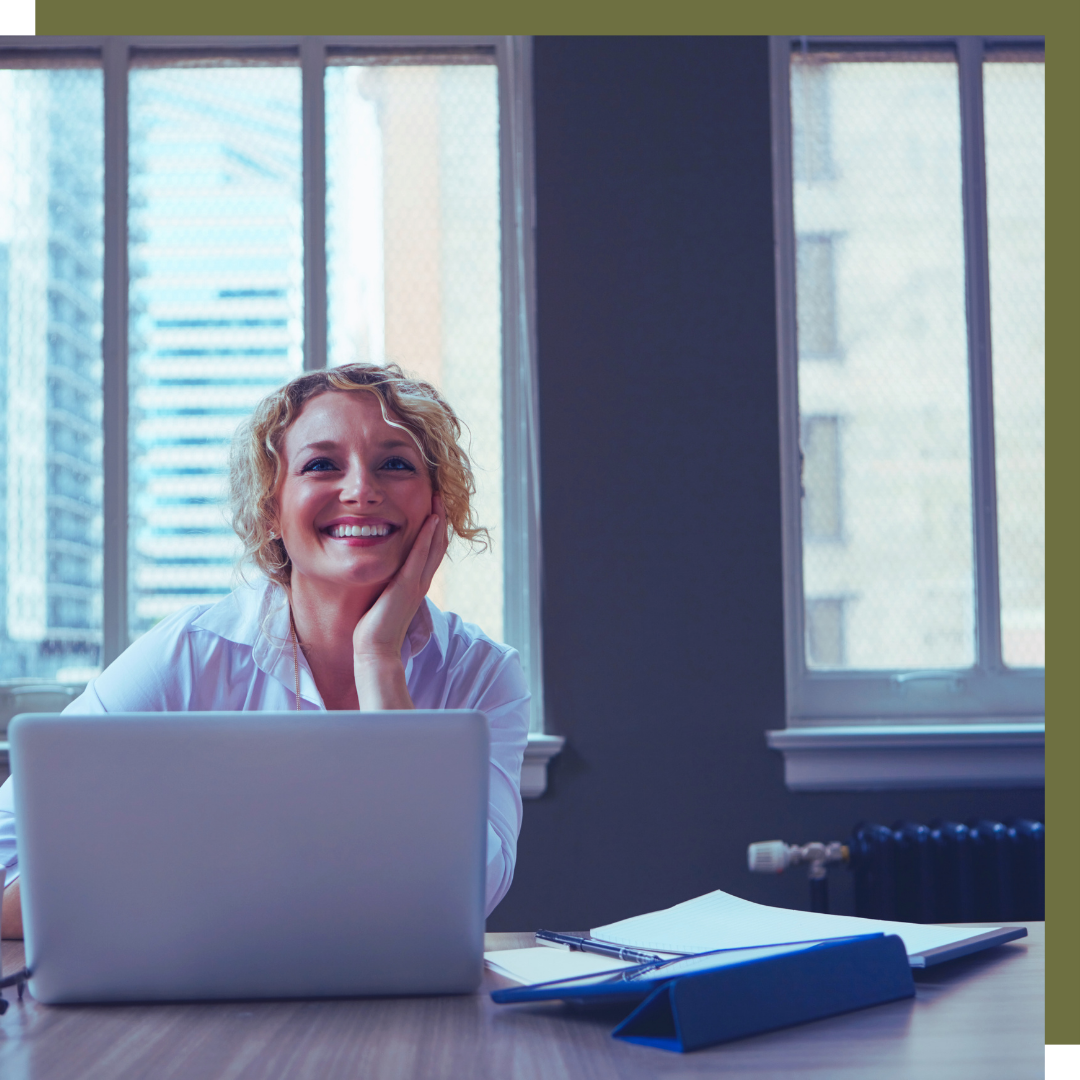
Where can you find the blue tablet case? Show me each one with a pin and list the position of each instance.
(713, 1006)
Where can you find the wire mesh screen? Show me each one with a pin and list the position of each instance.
(51, 230)
(882, 374)
(1014, 103)
(216, 307)
(413, 260)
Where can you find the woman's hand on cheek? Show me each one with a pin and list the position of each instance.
(437, 548)
(380, 634)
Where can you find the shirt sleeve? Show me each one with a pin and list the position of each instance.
(87, 702)
(154, 674)
(504, 697)
(9, 858)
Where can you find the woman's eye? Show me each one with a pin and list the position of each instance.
(318, 465)
(399, 464)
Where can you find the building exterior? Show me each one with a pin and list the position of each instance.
(50, 351)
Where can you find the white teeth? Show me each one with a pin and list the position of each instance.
(342, 531)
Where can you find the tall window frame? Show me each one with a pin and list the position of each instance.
(974, 727)
(513, 59)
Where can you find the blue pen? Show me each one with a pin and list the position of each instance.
(581, 944)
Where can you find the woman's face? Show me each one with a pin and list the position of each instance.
(355, 491)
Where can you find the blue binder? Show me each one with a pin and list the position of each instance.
(740, 997)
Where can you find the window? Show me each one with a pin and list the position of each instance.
(420, 281)
(910, 319)
(815, 281)
(51, 235)
(821, 478)
(810, 142)
(825, 632)
(216, 270)
(185, 226)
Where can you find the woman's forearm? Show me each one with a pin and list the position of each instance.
(11, 913)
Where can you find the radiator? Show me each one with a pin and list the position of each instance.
(941, 872)
(949, 872)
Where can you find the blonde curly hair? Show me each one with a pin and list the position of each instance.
(256, 464)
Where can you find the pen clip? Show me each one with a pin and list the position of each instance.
(567, 941)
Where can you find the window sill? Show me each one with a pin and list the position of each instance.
(538, 753)
(875, 757)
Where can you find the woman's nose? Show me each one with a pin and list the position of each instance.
(361, 485)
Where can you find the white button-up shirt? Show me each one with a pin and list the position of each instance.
(237, 655)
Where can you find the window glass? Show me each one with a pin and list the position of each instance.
(51, 230)
(413, 263)
(825, 631)
(1014, 104)
(821, 478)
(883, 352)
(216, 307)
(816, 299)
(812, 146)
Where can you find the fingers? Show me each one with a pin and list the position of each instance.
(439, 543)
(386, 623)
(424, 557)
(415, 564)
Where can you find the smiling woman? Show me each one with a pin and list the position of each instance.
(346, 486)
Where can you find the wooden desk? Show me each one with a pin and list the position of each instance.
(981, 1016)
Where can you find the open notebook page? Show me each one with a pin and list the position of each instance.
(541, 965)
(719, 920)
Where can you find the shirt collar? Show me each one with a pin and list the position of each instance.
(257, 615)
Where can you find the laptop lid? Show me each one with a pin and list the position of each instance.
(184, 856)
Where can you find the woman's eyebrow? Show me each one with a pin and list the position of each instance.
(330, 444)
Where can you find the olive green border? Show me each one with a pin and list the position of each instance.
(540, 17)
(1063, 531)
(1060, 22)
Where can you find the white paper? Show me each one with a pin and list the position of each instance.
(541, 965)
(532, 966)
(718, 920)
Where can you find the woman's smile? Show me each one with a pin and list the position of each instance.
(360, 532)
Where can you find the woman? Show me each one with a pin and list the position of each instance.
(345, 487)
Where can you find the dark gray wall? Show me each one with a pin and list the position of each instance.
(663, 622)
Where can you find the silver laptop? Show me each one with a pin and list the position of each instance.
(188, 856)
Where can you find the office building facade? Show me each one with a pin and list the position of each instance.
(50, 350)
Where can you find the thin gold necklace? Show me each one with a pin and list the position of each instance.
(295, 657)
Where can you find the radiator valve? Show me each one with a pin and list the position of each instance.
(774, 856)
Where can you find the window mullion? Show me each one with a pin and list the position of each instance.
(313, 64)
(521, 476)
(788, 378)
(115, 354)
(977, 281)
